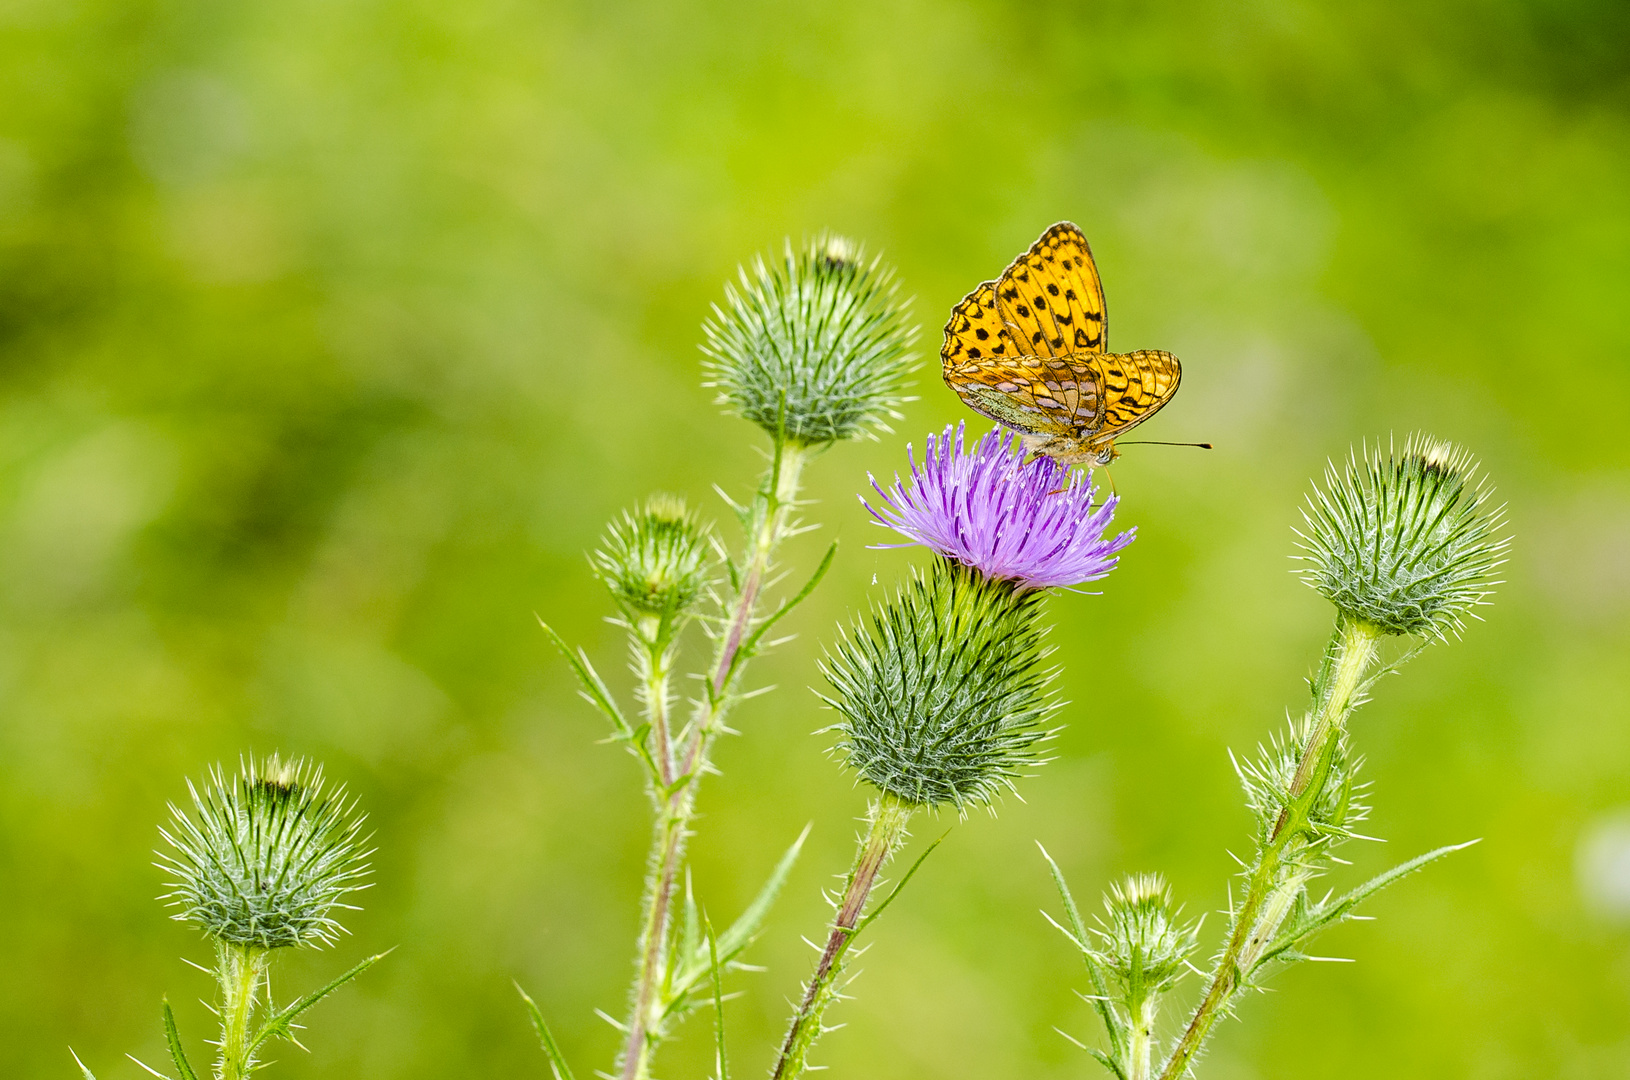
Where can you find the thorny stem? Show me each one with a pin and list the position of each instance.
(889, 817)
(240, 969)
(1267, 898)
(769, 522)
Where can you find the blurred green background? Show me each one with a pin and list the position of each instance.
(332, 332)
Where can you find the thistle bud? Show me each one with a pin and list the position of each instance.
(1404, 542)
(1144, 944)
(654, 559)
(942, 692)
(266, 856)
(815, 347)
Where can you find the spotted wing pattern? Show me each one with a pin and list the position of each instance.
(1051, 299)
(975, 331)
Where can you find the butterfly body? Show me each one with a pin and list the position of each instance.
(1028, 350)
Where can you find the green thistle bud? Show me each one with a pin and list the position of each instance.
(266, 856)
(816, 346)
(1144, 945)
(655, 559)
(942, 692)
(1404, 542)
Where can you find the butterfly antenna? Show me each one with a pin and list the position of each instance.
(1156, 442)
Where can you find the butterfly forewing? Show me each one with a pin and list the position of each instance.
(975, 331)
(1051, 298)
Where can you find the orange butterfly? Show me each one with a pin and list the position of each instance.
(1027, 350)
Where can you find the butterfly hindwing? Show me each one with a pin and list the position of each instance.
(1034, 394)
(1136, 385)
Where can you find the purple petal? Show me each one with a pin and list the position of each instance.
(1033, 522)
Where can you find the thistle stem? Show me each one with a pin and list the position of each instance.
(772, 509)
(658, 659)
(1142, 1040)
(1268, 898)
(240, 969)
(889, 817)
(769, 523)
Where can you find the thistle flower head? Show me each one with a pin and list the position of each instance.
(1144, 943)
(1031, 522)
(266, 856)
(816, 345)
(1404, 541)
(942, 691)
(655, 558)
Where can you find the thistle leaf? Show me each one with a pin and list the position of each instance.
(1308, 919)
(721, 1063)
(594, 688)
(172, 1038)
(927, 851)
(690, 923)
(1106, 1061)
(693, 961)
(1115, 1026)
(282, 1025)
(750, 646)
(81, 1064)
(747, 925)
(551, 1049)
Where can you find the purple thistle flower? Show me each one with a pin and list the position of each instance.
(1033, 522)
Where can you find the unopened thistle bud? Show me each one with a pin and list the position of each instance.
(816, 345)
(942, 691)
(1404, 542)
(1144, 943)
(654, 559)
(266, 856)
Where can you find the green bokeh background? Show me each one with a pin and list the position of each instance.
(332, 332)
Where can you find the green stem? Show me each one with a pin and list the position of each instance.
(240, 969)
(653, 958)
(1142, 1040)
(769, 525)
(889, 817)
(772, 510)
(655, 640)
(1268, 898)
